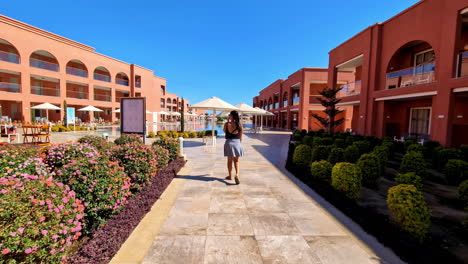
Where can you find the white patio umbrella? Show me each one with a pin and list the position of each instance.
(47, 107)
(118, 111)
(214, 104)
(262, 113)
(91, 109)
(176, 114)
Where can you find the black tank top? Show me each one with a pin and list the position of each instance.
(229, 135)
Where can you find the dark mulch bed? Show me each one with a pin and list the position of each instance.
(106, 241)
(434, 250)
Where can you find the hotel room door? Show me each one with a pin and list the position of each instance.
(420, 121)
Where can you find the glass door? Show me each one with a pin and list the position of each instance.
(420, 121)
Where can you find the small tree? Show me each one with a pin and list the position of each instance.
(65, 123)
(182, 117)
(329, 101)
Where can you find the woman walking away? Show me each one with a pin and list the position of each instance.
(233, 147)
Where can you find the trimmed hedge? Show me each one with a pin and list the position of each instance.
(302, 156)
(456, 171)
(413, 162)
(370, 168)
(351, 154)
(382, 152)
(415, 147)
(320, 152)
(321, 170)
(409, 178)
(336, 155)
(363, 146)
(308, 140)
(347, 178)
(171, 144)
(443, 155)
(463, 191)
(340, 143)
(409, 210)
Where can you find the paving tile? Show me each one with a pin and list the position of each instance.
(263, 205)
(286, 250)
(185, 224)
(229, 224)
(316, 223)
(194, 191)
(256, 192)
(232, 250)
(228, 205)
(176, 249)
(273, 224)
(196, 205)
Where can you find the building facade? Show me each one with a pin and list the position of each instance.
(294, 100)
(411, 74)
(37, 66)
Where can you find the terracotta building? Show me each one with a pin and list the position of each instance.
(37, 66)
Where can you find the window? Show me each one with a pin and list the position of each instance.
(137, 81)
(420, 121)
(137, 94)
(163, 90)
(424, 57)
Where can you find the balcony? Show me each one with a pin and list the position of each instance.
(77, 95)
(463, 64)
(350, 89)
(43, 65)
(102, 98)
(101, 77)
(9, 57)
(138, 84)
(10, 87)
(411, 76)
(77, 72)
(45, 91)
(295, 100)
(121, 82)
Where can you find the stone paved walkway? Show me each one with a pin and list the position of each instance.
(265, 219)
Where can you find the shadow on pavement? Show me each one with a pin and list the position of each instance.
(193, 144)
(203, 178)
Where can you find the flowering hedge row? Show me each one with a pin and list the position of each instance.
(49, 197)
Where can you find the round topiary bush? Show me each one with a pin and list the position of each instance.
(463, 191)
(336, 156)
(302, 156)
(414, 162)
(40, 219)
(297, 136)
(340, 143)
(59, 155)
(391, 148)
(321, 170)
(172, 145)
(456, 171)
(370, 168)
(382, 152)
(347, 178)
(409, 141)
(127, 138)
(443, 155)
(429, 148)
(351, 154)
(363, 146)
(409, 178)
(409, 210)
(416, 148)
(139, 162)
(308, 140)
(350, 140)
(320, 153)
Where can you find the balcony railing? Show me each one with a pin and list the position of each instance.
(45, 91)
(102, 97)
(10, 57)
(349, 89)
(463, 64)
(411, 76)
(101, 77)
(77, 72)
(121, 82)
(43, 65)
(117, 98)
(10, 87)
(138, 84)
(77, 95)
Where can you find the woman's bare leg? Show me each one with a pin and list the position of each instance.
(229, 167)
(236, 166)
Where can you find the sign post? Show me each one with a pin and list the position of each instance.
(133, 116)
(71, 117)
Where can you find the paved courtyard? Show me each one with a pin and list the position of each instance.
(268, 218)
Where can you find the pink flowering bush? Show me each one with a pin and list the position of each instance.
(126, 139)
(100, 183)
(97, 142)
(140, 162)
(11, 157)
(162, 156)
(40, 219)
(59, 155)
(171, 144)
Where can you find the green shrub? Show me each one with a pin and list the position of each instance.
(126, 138)
(350, 140)
(363, 146)
(303, 132)
(100, 183)
(209, 133)
(336, 156)
(151, 134)
(308, 140)
(34, 212)
(410, 178)
(409, 209)
(98, 142)
(201, 134)
(59, 155)
(325, 141)
(382, 152)
(456, 171)
(429, 148)
(370, 169)
(409, 141)
(351, 154)
(463, 191)
(54, 129)
(347, 178)
(413, 162)
(13, 160)
(319, 153)
(391, 148)
(297, 136)
(340, 143)
(321, 170)
(302, 156)
(192, 134)
(443, 155)
(464, 151)
(415, 147)
(172, 145)
(162, 156)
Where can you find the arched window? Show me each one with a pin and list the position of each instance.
(44, 60)
(102, 74)
(8, 52)
(168, 100)
(77, 68)
(121, 78)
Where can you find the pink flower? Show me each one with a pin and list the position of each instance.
(44, 232)
(13, 234)
(20, 230)
(52, 251)
(65, 200)
(6, 251)
(54, 195)
(28, 251)
(55, 236)
(41, 219)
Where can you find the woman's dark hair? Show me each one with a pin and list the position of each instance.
(235, 116)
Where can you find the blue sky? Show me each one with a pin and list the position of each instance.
(228, 49)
